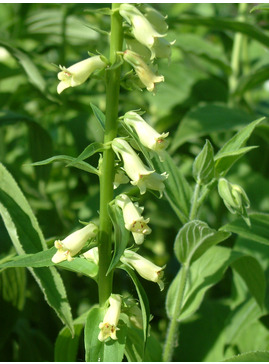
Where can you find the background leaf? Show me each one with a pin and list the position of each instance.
(201, 120)
(256, 356)
(27, 238)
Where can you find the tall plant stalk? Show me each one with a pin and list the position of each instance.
(172, 331)
(107, 167)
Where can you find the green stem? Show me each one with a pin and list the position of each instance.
(194, 206)
(107, 167)
(173, 327)
(236, 52)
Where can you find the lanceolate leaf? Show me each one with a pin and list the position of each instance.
(203, 166)
(27, 237)
(121, 235)
(99, 115)
(69, 161)
(232, 147)
(88, 152)
(194, 239)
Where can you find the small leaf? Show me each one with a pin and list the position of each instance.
(121, 236)
(232, 146)
(68, 160)
(203, 166)
(252, 356)
(143, 299)
(96, 29)
(109, 351)
(194, 239)
(99, 115)
(258, 231)
(87, 152)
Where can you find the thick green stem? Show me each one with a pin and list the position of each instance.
(107, 167)
(173, 326)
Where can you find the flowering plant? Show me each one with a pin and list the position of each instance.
(148, 244)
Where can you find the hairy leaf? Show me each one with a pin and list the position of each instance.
(194, 239)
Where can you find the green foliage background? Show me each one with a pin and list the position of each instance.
(193, 104)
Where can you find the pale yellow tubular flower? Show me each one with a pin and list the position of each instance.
(142, 29)
(144, 267)
(73, 243)
(143, 71)
(79, 72)
(133, 219)
(109, 327)
(140, 175)
(148, 136)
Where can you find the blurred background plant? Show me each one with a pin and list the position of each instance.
(215, 83)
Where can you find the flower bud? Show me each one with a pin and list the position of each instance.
(144, 267)
(73, 243)
(78, 73)
(109, 327)
(140, 175)
(143, 71)
(148, 136)
(142, 28)
(133, 220)
(234, 198)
